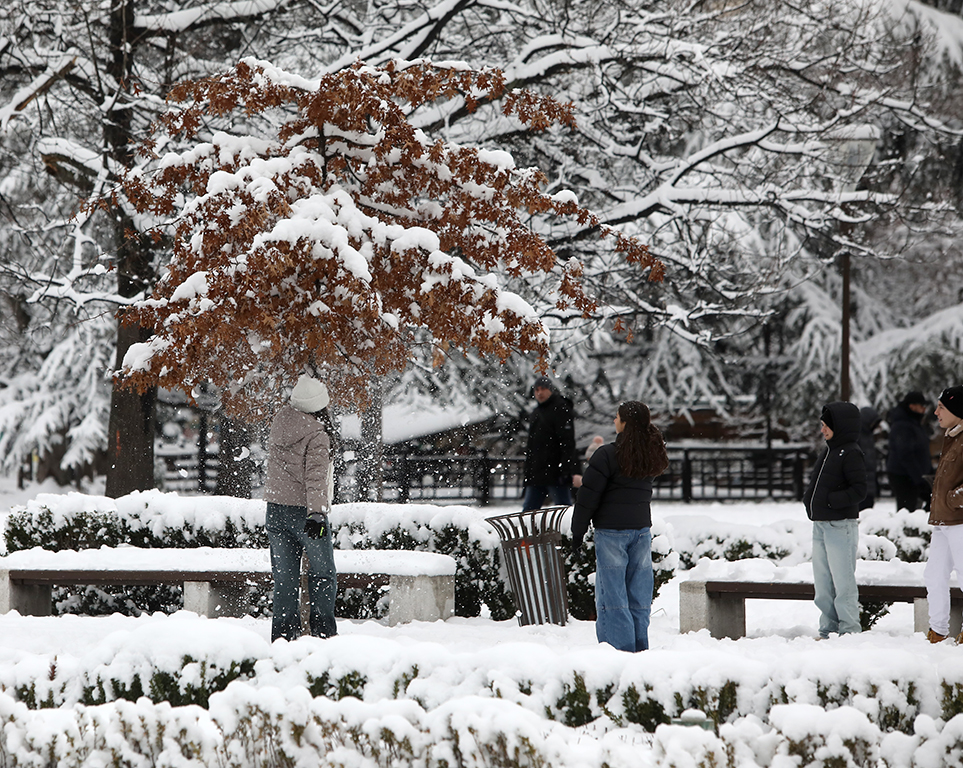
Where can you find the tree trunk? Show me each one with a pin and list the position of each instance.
(132, 415)
(235, 469)
(131, 429)
(371, 456)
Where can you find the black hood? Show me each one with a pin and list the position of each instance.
(845, 422)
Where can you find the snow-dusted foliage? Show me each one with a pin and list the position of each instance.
(322, 235)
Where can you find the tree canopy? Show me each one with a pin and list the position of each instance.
(313, 227)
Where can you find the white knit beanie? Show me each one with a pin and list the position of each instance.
(309, 395)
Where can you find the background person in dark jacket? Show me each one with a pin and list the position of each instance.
(615, 495)
(909, 453)
(832, 499)
(551, 466)
(868, 421)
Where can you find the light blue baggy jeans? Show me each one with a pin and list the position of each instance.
(285, 530)
(834, 575)
(623, 587)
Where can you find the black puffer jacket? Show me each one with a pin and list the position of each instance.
(909, 444)
(550, 456)
(838, 480)
(610, 499)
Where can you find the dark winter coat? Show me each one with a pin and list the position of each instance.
(946, 505)
(550, 456)
(909, 445)
(868, 421)
(610, 499)
(838, 481)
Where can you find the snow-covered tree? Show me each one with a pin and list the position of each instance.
(321, 237)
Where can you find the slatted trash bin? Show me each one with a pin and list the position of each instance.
(530, 544)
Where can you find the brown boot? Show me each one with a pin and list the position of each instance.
(959, 639)
(935, 637)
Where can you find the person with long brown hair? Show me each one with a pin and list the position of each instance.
(615, 496)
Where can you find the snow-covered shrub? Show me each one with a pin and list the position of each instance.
(681, 746)
(842, 738)
(908, 532)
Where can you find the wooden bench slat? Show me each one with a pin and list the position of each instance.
(133, 578)
(804, 591)
(147, 578)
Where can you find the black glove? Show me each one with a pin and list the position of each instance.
(316, 525)
(576, 545)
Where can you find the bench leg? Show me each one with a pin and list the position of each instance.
(921, 616)
(420, 598)
(214, 600)
(26, 599)
(722, 616)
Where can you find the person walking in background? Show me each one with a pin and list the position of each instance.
(869, 420)
(551, 466)
(298, 491)
(946, 516)
(837, 486)
(909, 453)
(615, 496)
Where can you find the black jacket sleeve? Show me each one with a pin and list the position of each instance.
(594, 482)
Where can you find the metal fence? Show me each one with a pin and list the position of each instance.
(694, 474)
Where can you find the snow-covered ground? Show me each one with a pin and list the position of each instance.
(460, 663)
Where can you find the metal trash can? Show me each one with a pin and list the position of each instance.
(536, 574)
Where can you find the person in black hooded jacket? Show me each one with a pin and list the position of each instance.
(837, 486)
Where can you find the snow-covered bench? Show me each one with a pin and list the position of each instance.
(421, 585)
(715, 593)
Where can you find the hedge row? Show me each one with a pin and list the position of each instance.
(153, 519)
(892, 690)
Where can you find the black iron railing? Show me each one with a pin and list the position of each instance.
(695, 474)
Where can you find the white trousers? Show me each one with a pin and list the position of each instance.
(946, 556)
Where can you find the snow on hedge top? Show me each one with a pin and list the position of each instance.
(878, 572)
(208, 559)
(160, 511)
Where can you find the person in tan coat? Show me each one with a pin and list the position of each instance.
(946, 516)
(298, 491)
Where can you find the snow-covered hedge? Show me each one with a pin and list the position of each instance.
(156, 519)
(223, 697)
(248, 728)
(168, 664)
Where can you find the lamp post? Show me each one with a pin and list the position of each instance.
(854, 150)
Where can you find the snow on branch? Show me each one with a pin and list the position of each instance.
(181, 20)
(325, 242)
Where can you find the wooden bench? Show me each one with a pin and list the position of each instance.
(421, 585)
(715, 597)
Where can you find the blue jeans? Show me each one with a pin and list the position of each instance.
(623, 587)
(285, 530)
(834, 575)
(535, 495)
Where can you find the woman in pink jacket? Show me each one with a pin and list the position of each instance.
(298, 491)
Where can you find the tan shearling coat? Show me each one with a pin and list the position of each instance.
(300, 472)
(946, 506)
